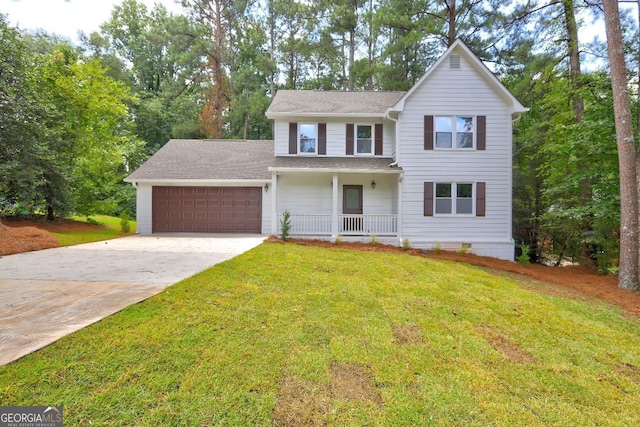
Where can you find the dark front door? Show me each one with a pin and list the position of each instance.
(352, 205)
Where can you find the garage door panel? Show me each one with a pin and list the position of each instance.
(207, 209)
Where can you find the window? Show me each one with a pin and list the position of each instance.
(364, 139)
(454, 132)
(307, 138)
(454, 199)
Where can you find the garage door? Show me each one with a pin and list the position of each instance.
(207, 209)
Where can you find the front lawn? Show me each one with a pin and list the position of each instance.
(106, 227)
(294, 335)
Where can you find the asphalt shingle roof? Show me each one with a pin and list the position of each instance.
(335, 163)
(310, 102)
(208, 159)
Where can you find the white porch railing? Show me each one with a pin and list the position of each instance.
(348, 225)
(358, 225)
(309, 225)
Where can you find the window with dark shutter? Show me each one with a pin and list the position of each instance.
(322, 138)
(481, 196)
(378, 136)
(428, 199)
(428, 132)
(293, 138)
(349, 139)
(481, 143)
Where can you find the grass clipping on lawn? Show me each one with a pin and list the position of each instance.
(293, 335)
(15, 240)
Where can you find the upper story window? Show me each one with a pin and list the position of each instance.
(364, 139)
(454, 132)
(308, 138)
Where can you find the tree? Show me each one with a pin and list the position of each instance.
(628, 274)
(30, 171)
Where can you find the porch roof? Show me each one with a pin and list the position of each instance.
(335, 164)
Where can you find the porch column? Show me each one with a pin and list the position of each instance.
(399, 214)
(274, 204)
(334, 213)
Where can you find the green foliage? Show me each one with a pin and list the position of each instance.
(523, 258)
(406, 244)
(374, 240)
(125, 223)
(285, 225)
(338, 239)
(464, 247)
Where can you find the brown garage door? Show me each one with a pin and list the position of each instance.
(207, 209)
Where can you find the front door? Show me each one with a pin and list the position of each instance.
(351, 206)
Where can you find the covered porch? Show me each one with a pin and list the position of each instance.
(331, 197)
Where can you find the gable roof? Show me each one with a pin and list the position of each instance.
(312, 103)
(460, 48)
(190, 159)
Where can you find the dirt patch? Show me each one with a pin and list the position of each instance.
(58, 225)
(407, 334)
(34, 235)
(301, 403)
(576, 278)
(503, 345)
(353, 382)
(631, 371)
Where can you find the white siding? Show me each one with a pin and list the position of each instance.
(336, 134)
(143, 208)
(313, 193)
(457, 92)
(304, 194)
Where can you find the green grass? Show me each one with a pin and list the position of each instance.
(220, 347)
(111, 229)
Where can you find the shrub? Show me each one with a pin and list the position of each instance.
(523, 259)
(285, 225)
(406, 244)
(125, 225)
(463, 248)
(438, 247)
(338, 239)
(374, 240)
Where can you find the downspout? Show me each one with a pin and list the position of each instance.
(395, 163)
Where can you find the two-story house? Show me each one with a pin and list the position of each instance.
(431, 165)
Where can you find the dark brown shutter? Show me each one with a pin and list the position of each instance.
(428, 132)
(378, 132)
(293, 138)
(322, 138)
(349, 139)
(482, 133)
(481, 197)
(428, 199)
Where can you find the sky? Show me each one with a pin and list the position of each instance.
(66, 18)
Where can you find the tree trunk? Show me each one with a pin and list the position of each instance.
(352, 55)
(218, 72)
(451, 6)
(628, 274)
(574, 59)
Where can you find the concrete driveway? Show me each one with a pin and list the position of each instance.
(48, 294)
